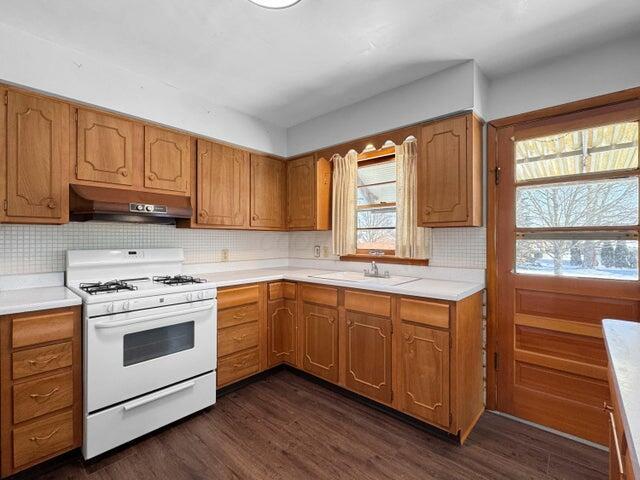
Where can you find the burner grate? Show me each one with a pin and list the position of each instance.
(112, 286)
(178, 280)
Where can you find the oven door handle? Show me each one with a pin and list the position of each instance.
(148, 318)
(157, 396)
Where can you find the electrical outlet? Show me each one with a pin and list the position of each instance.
(325, 251)
(225, 254)
(316, 251)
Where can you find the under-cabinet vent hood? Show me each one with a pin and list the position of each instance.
(115, 205)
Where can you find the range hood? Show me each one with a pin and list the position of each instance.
(115, 205)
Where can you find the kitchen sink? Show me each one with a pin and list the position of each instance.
(359, 277)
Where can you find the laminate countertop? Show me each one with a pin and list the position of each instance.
(622, 339)
(33, 299)
(418, 287)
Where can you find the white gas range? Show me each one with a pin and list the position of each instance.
(149, 342)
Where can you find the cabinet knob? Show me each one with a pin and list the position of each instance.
(51, 204)
(151, 176)
(124, 172)
(254, 217)
(428, 210)
(349, 323)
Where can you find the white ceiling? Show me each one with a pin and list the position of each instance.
(286, 66)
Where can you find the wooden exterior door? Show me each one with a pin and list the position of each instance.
(320, 341)
(559, 203)
(167, 156)
(37, 151)
(105, 149)
(282, 331)
(268, 178)
(443, 173)
(424, 373)
(301, 193)
(368, 347)
(223, 185)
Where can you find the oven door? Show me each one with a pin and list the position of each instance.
(130, 354)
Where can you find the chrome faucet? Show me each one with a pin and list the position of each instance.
(375, 271)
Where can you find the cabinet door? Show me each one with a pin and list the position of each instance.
(424, 373)
(105, 148)
(166, 160)
(37, 152)
(301, 193)
(223, 185)
(320, 341)
(368, 347)
(267, 192)
(443, 193)
(282, 331)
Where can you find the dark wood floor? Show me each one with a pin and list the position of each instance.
(287, 427)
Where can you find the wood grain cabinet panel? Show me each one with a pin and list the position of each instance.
(282, 331)
(237, 338)
(37, 397)
(368, 347)
(41, 359)
(424, 373)
(237, 315)
(301, 193)
(167, 157)
(104, 148)
(42, 439)
(37, 151)
(238, 366)
(223, 185)
(320, 341)
(449, 173)
(40, 327)
(268, 179)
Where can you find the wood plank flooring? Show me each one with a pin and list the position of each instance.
(287, 427)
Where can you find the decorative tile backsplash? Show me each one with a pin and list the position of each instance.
(41, 248)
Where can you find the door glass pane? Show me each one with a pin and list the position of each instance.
(157, 342)
(377, 217)
(377, 173)
(599, 149)
(607, 259)
(374, 194)
(379, 239)
(584, 204)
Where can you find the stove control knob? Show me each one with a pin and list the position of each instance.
(189, 297)
(149, 208)
(140, 207)
(200, 295)
(109, 307)
(125, 306)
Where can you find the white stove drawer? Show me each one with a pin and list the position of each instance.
(114, 426)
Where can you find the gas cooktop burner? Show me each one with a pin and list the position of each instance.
(178, 280)
(112, 286)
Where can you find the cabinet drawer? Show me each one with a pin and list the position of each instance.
(278, 290)
(321, 295)
(368, 303)
(41, 359)
(37, 397)
(43, 438)
(237, 366)
(237, 315)
(232, 297)
(36, 329)
(427, 313)
(237, 338)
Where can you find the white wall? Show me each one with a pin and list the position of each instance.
(609, 68)
(439, 94)
(35, 63)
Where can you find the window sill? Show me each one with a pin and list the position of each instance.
(384, 259)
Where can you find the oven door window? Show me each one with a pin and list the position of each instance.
(158, 342)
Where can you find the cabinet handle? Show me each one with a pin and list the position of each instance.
(254, 217)
(151, 176)
(241, 364)
(46, 396)
(349, 323)
(124, 172)
(612, 421)
(44, 362)
(51, 204)
(239, 316)
(241, 337)
(47, 437)
(428, 210)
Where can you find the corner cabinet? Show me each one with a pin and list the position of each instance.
(282, 322)
(34, 148)
(268, 187)
(450, 173)
(308, 194)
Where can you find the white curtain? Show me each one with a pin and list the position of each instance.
(345, 170)
(411, 241)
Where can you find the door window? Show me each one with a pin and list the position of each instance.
(157, 342)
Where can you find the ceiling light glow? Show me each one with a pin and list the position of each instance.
(275, 4)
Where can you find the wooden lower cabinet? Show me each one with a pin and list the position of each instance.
(40, 387)
(320, 341)
(282, 331)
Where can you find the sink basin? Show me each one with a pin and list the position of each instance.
(359, 277)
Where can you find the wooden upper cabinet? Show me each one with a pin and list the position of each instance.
(282, 331)
(166, 160)
(223, 185)
(37, 143)
(450, 173)
(105, 148)
(268, 179)
(308, 193)
(368, 347)
(424, 373)
(320, 341)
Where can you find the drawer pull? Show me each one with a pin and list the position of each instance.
(47, 437)
(45, 396)
(41, 363)
(240, 316)
(241, 364)
(609, 410)
(241, 337)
